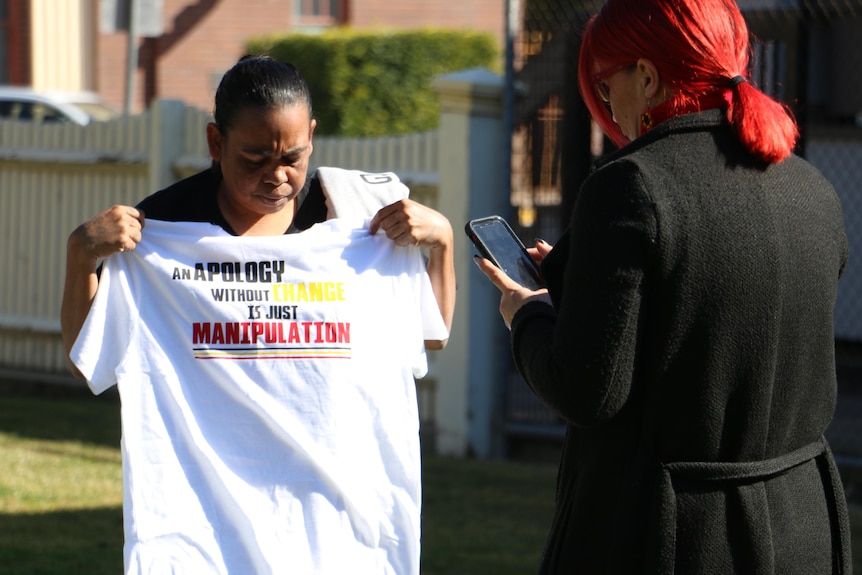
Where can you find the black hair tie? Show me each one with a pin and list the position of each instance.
(736, 81)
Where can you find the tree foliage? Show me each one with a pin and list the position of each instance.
(366, 84)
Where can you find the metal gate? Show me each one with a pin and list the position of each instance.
(551, 155)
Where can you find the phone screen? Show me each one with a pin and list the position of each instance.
(496, 241)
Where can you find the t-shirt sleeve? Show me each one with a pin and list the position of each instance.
(108, 330)
(433, 326)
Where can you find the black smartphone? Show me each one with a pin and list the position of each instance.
(496, 241)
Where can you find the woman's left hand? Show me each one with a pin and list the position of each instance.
(513, 295)
(409, 223)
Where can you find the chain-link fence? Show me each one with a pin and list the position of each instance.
(806, 53)
(547, 164)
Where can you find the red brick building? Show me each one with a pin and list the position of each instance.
(197, 39)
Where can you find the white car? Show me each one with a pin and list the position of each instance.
(21, 103)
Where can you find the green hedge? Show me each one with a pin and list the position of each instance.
(372, 84)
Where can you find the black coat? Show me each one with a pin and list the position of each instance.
(690, 350)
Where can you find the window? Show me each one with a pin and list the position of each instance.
(320, 12)
(31, 111)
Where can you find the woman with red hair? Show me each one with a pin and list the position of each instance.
(686, 333)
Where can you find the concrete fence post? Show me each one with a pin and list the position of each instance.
(167, 141)
(472, 182)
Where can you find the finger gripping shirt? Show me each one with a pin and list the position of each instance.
(269, 410)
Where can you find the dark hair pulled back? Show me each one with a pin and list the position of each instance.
(261, 82)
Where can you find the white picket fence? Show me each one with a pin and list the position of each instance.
(53, 177)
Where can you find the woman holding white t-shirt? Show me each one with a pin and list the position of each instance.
(260, 143)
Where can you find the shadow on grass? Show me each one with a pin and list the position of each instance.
(58, 413)
(484, 517)
(88, 541)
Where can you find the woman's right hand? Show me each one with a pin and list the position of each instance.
(114, 230)
(512, 294)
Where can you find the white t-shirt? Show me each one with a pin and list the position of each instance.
(269, 409)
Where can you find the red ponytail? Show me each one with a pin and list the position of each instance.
(765, 126)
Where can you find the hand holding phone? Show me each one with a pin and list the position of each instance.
(497, 242)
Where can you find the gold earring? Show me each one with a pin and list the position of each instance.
(646, 120)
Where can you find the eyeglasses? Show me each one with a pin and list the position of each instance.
(602, 87)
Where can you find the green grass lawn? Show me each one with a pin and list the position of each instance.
(60, 486)
(61, 498)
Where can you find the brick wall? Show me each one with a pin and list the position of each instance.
(111, 69)
(18, 31)
(203, 38)
(202, 44)
(481, 15)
